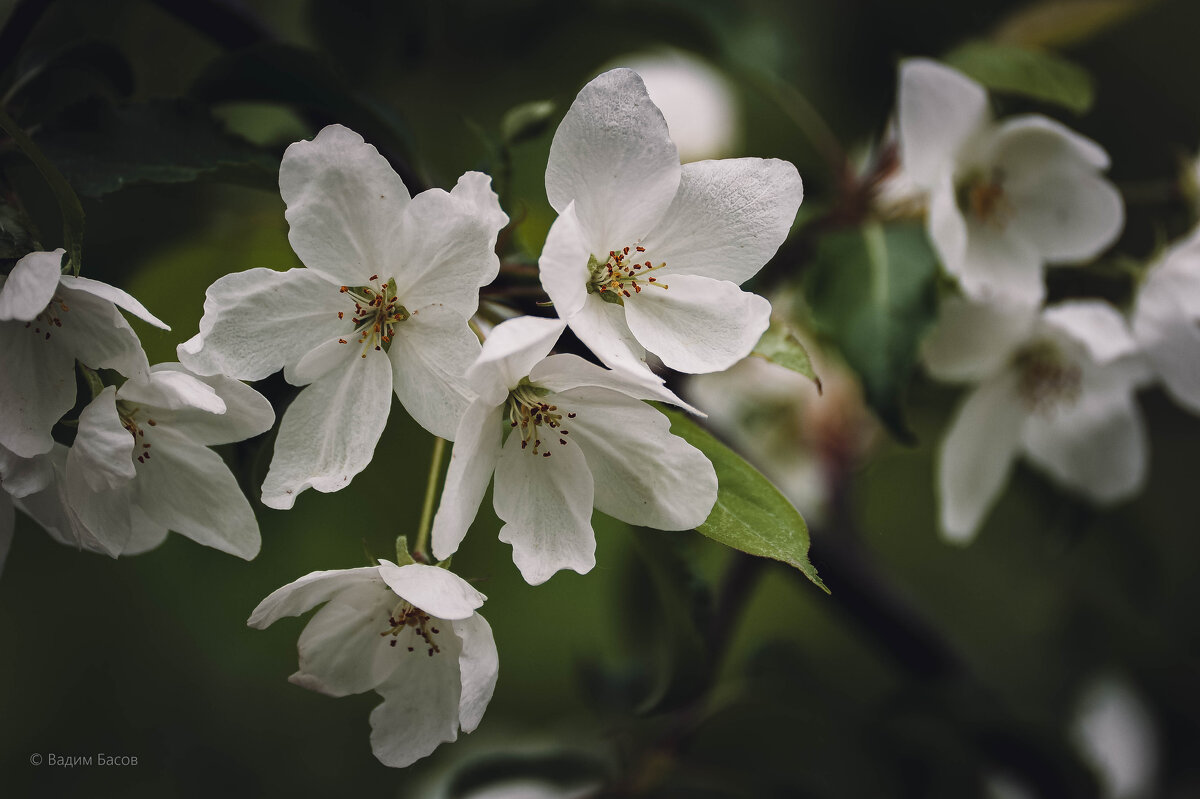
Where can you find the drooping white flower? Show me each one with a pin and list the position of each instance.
(648, 255)
(1056, 385)
(381, 306)
(1116, 734)
(140, 464)
(578, 437)
(697, 101)
(410, 633)
(1004, 198)
(49, 320)
(1166, 320)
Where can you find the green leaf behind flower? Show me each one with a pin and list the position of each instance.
(1038, 74)
(779, 345)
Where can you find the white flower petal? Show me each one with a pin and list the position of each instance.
(27, 290)
(304, 594)
(1166, 329)
(946, 226)
(563, 265)
(564, 372)
(728, 218)
(342, 649)
(1032, 142)
(258, 321)
(431, 353)
(1096, 325)
(475, 189)
(1069, 215)
(146, 534)
(603, 328)
(698, 324)
(420, 705)
(96, 334)
(103, 448)
(8, 521)
(437, 591)
(511, 350)
(344, 205)
(38, 387)
(973, 341)
(1097, 446)
(247, 413)
(1001, 266)
(977, 454)
(613, 156)
(50, 510)
(113, 295)
(938, 111)
(478, 665)
(546, 506)
(329, 432)
(323, 359)
(172, 390)
(472, 461)
(642, 473)
(99, 521)
(446, 251)
(187, 488)
(20, 477)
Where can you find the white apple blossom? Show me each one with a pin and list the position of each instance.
(1004, 198)
(410, 633)
(381, 306)
(648, 255)
(48, 321)
(579, 437)
(1056, 385)
(140, 464)
(1166, 320)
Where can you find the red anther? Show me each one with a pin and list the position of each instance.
(151, 422)
(648, 265)
(637, 289)
(652, 279)
(562, 441)
(373, 277)
(545, 454)
(626, 293)
(524, 444)
(625, 251)
(641, 249)
(341, 315)
(342, 341)
(343, 289)
(570, 415)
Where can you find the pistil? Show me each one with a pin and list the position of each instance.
(529, 412)
(622, 275)
(377, 311)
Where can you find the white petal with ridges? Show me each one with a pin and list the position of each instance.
(613, 156)
(938, 111)
(431, 353)
(344, 206)
(437, 591)
(698, 324)
(511, 350)
(304, 594)
(113, 295)
(258, 321)
(38, 387)
(479, 665)
(546, 506)
(247, 413)
(329, 432)
(564, 372)
(420, 704)
(27, 290)
(472, 461)
(728, 218)
(103, 448)
(342, 649)
(563, 265)
(97, 335)
(172, 390)
(603, 328)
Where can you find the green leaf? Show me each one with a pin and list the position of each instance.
(1038, 74)
(873, 293)
(104, 148)
(68, 203)
(1066, 23)
(526, 121)
(779, 345)
(751, 514)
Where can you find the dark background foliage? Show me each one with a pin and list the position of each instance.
(676, 668)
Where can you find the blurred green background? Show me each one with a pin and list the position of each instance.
(977, 675)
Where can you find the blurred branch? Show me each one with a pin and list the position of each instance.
(24, 18)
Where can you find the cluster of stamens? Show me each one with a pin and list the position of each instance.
(128, 417)
(48, 318)
(404, 617)
(377, 311)
(1046, 380)
(984, 199)
(528, 413)
(621, 274)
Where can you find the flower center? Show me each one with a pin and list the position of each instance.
(1046, 379)
(983, 197)
(128, 415)
(615, 278)
(49, 318)
(528, 412)
(377, 311)
(406, 617)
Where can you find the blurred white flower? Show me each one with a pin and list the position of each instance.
(1003, 198)
(697, 101)
(410, 633)
(1115, 733)
(140, 464)
(801, 440)
(579, 437)
(648, 255)
(1166, 320)
(49, 320)
(381, 306)
(1056, 385)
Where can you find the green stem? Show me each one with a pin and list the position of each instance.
(435, 471)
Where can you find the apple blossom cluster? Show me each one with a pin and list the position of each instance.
(646, 256)
(134, 461)
(1056, 384)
